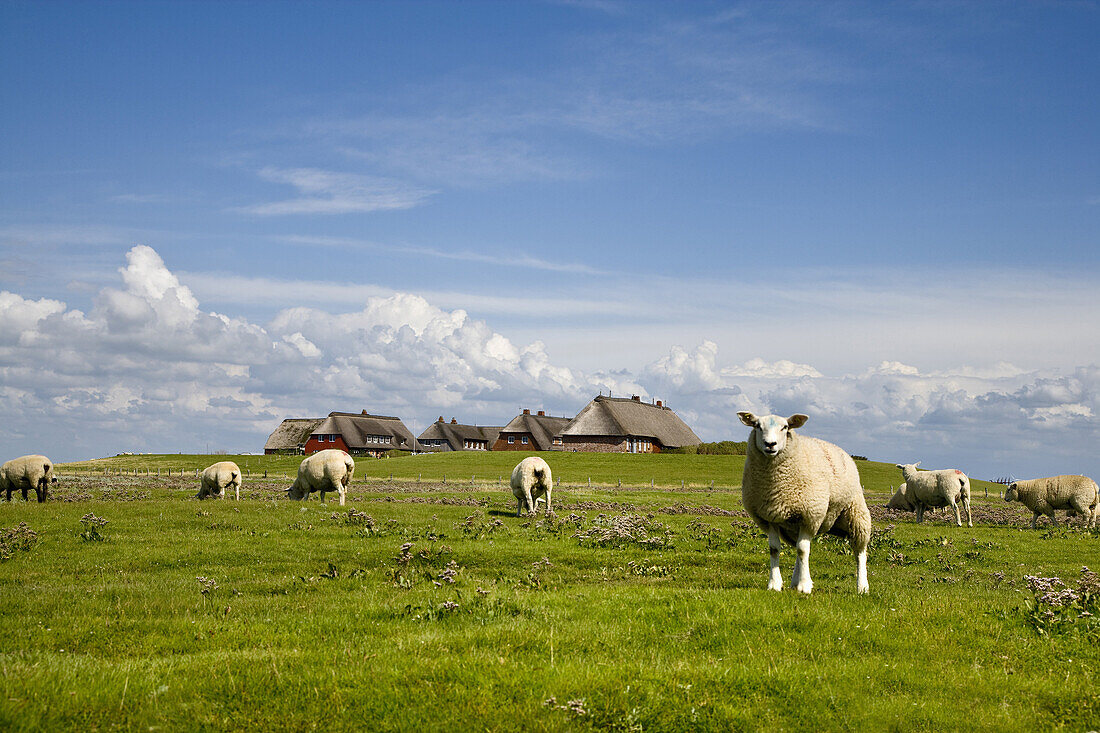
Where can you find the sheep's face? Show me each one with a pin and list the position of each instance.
(1010, 492)
(907, 469)
(770, 432)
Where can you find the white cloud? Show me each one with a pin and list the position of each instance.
(328, 192)
(147, 368)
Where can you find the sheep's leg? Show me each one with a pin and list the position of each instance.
(530, 501)
(548, 501)
(861, 571)
(343, 493)
(238, 491)
(9, 494)
(776, 580)
(24, 489)
(1034, 519)
(969, 516)
(958, 517)
(519, 507)
(1053, 519)
(802, 568)
(40, 491)
(920, 513)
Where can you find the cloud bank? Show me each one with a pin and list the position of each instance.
(147, 369)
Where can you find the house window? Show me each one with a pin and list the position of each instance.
(511, 439)
(523, 440)
(557, 441)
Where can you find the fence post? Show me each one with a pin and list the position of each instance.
(620, 483)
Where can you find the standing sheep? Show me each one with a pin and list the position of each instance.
(218, 479)
(933, 489)
(796, 488)
(531, 479)
(27, 472)
(327, 470)
(1044, 495)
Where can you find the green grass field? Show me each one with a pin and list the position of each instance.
(635, 609)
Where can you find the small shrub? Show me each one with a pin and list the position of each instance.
(1057, 608)
(92, 524)
(625, 529)
(15, 539)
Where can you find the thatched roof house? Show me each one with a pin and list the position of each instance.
(530, 432)
(443, 436)
(361, 434)
(291, 435)
(621, 425)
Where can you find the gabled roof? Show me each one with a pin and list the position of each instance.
(292, 432)
(355, 427)
(456, 434)
(542, 428)
(622, 416)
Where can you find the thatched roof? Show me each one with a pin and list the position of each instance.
(292, 432)
(356, 427)
(542, 428)
(630, 417)
(457, 434)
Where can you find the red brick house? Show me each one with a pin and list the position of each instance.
(622, 425)
(361, 434)
(530, 432)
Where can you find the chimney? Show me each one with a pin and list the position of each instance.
(440, 419)
(636, 398)
(542, 413)
(454, 421)
(526, 411)
(365, 412)
(660, 404)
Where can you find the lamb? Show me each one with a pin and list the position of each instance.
(1043, 495)
(531, 480)
(931, 489)
(796, 488)
(27, 472)
(327, 470)
(218, 479)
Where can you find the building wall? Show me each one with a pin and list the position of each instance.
(600, 444)
(503, 444)
(313, 445)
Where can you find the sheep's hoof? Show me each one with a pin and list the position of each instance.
(775, 586)
(863, 590)
(806, 587)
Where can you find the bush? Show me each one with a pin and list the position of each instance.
(721, 448)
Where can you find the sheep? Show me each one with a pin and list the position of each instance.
(27, 472)
(1043, 495)
(531, 480)
(796, 488)
(327, 470)
(218, 479)
(932, 489)
(900, 501)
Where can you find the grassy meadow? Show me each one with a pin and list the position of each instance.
(424, 605)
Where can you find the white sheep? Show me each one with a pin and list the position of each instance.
(218, 479)
(531, 481)
(1043, 495)
(798, 487)
(900, 501)
(27, 472)
(934, 489)
(327, 470)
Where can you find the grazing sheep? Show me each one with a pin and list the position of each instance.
(1043, 495)
(27, 472)
(796, 488)
(900, 501)
(327, 470)
(934, 489)
(218, 479)
(531, 480)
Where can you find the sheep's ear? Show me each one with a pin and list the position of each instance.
(797, 421)
(916, 464)
(749, 419)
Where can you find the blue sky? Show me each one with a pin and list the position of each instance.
(883, 215)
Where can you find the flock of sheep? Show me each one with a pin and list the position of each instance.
(794, 487)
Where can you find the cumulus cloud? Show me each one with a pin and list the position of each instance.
(146, 368)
